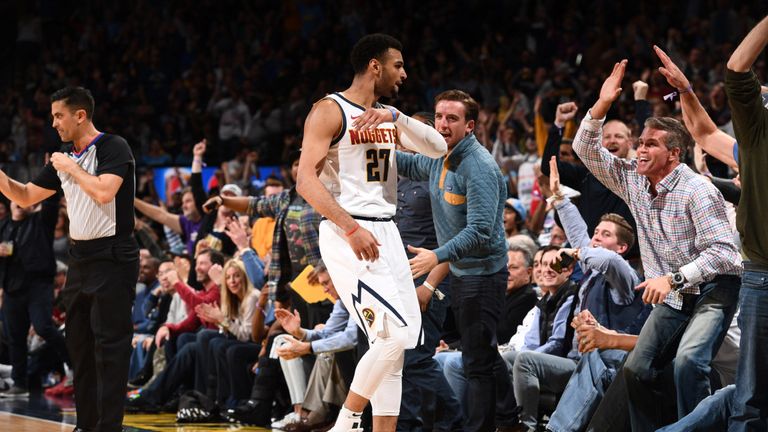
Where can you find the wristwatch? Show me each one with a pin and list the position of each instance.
(677, 279)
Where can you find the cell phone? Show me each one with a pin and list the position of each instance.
(211, 205)
(564, 262)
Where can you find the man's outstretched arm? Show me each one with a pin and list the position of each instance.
(704, 131)
(24, 195)
(753, 44)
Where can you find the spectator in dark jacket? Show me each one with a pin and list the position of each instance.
(27, 268)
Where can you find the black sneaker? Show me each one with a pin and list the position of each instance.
(15, 392)
(139, 381)
(252, 412)
(139, 404)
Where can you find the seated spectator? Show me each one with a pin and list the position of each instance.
(143, 344)
(173, 332)
(594, 397)
(326, 389)
(199, 364)
(607, 289)
(149, 311)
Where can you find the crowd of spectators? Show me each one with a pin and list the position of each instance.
(239, 77)
(241, 73)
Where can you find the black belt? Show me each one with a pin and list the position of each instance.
(753, 266)
(367, 218)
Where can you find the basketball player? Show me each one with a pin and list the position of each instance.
(347, 141)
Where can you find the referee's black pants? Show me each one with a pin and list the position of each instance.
(99, 293)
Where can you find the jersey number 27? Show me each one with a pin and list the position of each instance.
(377, 158)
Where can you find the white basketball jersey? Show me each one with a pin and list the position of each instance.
(360, 170)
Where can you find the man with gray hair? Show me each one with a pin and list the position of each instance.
(692, 266)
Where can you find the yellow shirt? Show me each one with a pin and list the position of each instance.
(262, 232)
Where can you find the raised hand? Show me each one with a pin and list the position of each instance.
(675, 77)
(564, 112)
(183, 267)
(611, 89)
(640, 89)
(554, 177)
(216, 273)
(237, 233)
(199, 149)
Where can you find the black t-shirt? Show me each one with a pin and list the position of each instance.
(106, 154)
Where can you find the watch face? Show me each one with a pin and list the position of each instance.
(678, 278)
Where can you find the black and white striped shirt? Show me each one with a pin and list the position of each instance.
(89, 220)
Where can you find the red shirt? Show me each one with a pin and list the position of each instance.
(191, 299)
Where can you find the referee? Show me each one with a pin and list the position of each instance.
(96, 172)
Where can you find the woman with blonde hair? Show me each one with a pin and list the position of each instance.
(205, 361)
(238, 304)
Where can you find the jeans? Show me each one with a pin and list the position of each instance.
(219, 385)
(612, 413)
(751, 398)
(205, 366)
(422, 373)
(139, 357)
(453, 370)
(535, 373)
(239, 359)
(176, 343)
(691, 336)
(710, 415)
(585, 389)
(476, 303)
(179, 372)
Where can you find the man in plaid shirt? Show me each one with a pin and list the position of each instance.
(691, 263)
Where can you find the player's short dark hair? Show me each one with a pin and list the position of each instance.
(76, 98)
(372, 46)
(471, 107)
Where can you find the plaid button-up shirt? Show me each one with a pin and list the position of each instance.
(276, 206)
(683, 228)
